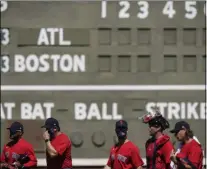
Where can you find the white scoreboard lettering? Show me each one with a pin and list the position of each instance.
(46, 62)
(27, 110)
(174, 110)
(82, 111)
(169, 9)
(144, 7)
(4, 6)
(190, 8)
(5, 62)
(5, 36)
(47, 37)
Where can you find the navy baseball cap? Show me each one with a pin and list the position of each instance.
(180, 126)
(51, 122)
(121, 124)
(16, 126)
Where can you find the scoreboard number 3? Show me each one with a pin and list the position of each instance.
(5, 36)
(4, 63)
(4, 6)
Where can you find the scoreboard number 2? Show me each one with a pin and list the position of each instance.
(4, 6)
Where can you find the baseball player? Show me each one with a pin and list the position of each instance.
(190, 155)
(125, 154)
(58, 146)
(159, 146)
(17, 153)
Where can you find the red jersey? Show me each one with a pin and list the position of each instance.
(158, 153)
(12, 151)
(192, 154)
(62, 145)
(125, 156)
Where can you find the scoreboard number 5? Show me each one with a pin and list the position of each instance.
(190, 8)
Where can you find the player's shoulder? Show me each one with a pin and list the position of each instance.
(25, 143)
(132, 145)
(64, 137)
(195, 146)
(168, 145)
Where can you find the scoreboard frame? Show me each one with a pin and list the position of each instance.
(167, 10)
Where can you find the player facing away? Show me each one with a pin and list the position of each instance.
(158, 146)
(190, 155)
(17, 153)
(125, 154)
(58, 146)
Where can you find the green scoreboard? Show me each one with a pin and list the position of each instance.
(90, 63)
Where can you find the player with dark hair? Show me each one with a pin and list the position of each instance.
(159, 146)
(191, 154)
(58, 146)
(125, 154)
(17, 153)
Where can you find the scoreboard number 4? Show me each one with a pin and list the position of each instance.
(169, 10)
(4, 6)
(5, 36)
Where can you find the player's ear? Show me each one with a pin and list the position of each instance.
(19, 133)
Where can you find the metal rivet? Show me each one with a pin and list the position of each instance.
(98, 138)
(77, 139)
